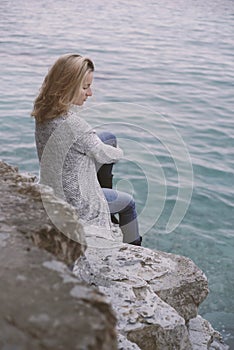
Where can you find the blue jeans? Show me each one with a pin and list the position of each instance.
(119, 202)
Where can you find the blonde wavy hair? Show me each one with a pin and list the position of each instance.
(61, 86)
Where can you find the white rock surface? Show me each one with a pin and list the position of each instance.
(125, 344)
(127, 275)
(203, 336)
(154, 295)
(175, 279)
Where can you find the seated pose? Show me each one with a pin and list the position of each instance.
(86, 171)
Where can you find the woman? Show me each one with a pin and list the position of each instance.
(56, 110)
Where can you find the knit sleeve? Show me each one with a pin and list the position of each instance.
(95, 148)
(88, 143)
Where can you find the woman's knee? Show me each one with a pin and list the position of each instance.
(130, 204)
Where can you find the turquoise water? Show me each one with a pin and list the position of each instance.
(164, 84)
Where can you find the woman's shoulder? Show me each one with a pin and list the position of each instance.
(71, 119)
(49, 123)
(75, 120)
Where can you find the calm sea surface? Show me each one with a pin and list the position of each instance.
(164, 83)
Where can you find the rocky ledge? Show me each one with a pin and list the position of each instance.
(124, 297)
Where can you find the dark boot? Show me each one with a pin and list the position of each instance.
(105, 176)
(137, 241)
(105, 179)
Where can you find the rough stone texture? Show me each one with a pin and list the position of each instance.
(42, 304)
(133, 278)
(125, 344)
(184, 286)
(203, 336)
(143, 318)
(175, 279)
(21, 206)
(155, 295)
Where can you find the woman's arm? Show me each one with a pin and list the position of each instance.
(88, 142)
(101, 152)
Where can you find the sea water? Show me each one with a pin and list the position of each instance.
(163, 84)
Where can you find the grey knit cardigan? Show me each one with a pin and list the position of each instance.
(69, 153)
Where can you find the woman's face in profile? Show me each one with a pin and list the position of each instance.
(85, 90)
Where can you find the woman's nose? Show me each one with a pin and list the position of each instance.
(89, 92)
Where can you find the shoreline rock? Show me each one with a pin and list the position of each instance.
(125, 298)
